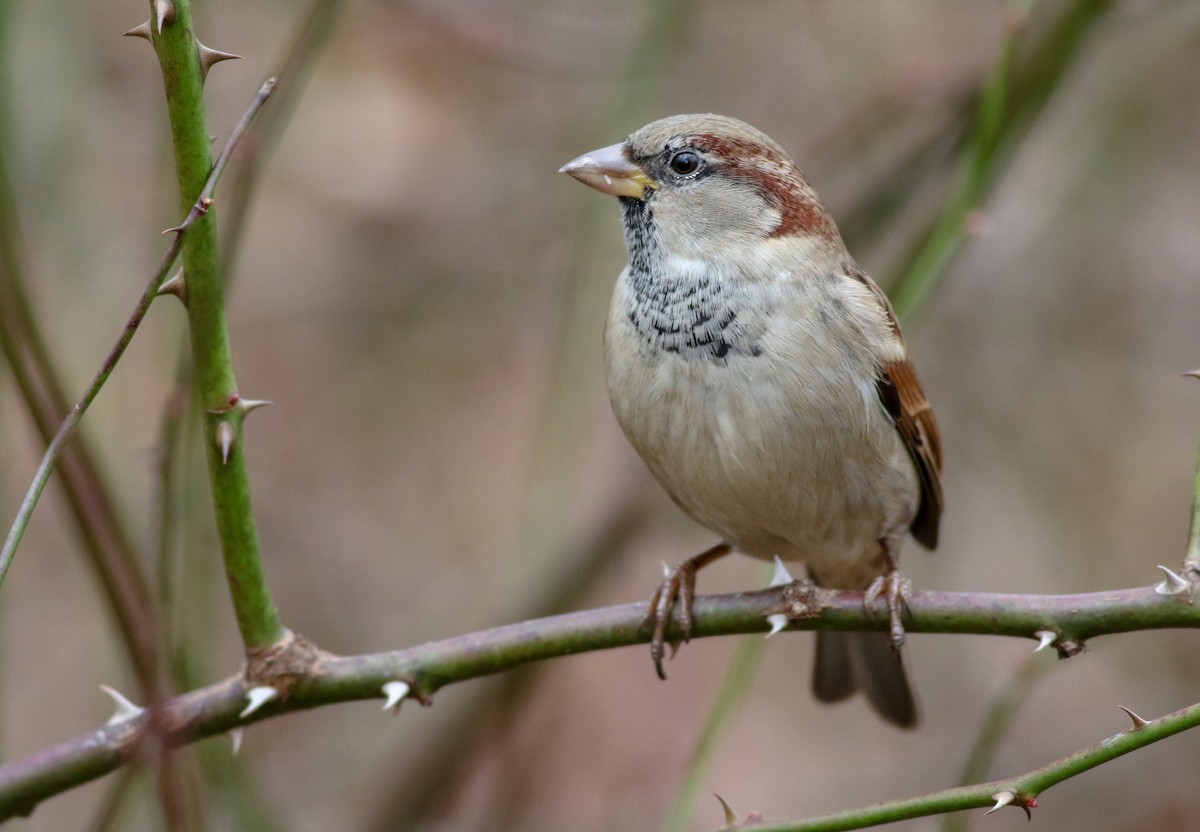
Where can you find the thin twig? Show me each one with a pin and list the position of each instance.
(430, 667)
(65, 431)
(1020, 792)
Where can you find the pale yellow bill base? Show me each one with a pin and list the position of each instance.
(609, 171)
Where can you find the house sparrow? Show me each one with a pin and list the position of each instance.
(762, 377)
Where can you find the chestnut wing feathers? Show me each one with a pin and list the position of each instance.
(902, 397)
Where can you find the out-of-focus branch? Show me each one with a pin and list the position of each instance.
(425, 669)
(105, 541)
(1012, 98)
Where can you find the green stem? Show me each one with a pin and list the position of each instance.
(1024, 788)
(216, 390)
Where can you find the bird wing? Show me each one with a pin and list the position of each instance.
(902, 397)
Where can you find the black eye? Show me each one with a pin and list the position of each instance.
(684, 162)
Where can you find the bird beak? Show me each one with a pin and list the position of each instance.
(609, 171)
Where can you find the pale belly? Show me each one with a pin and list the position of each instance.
(804, 465)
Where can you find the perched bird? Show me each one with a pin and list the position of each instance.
(762, 377)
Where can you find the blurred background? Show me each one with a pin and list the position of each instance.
(421, 295)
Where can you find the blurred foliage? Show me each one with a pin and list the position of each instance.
(422, 297)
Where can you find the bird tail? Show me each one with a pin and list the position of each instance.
(851, 662)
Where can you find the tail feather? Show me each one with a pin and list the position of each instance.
(851, 662)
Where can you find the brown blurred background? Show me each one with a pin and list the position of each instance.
(421, 295)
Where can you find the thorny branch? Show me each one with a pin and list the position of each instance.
(1066, 621)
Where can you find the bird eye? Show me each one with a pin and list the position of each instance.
(684, 162)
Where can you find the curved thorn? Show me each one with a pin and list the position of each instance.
(777, 621)
(395, 693)
(1173, 585)
(1192, 374)
(1045, 639)
(226, 436)
(731, 818)
(1002, 799)
(666, 569)
(257, 697)
(208, 57)
(1138, 722)
(142, 30)
(164, 11)
(125, 711)
(253, 404)
(236, 735)
(781, 576)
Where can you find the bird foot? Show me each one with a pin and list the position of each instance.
(894, 589)
(677, 590)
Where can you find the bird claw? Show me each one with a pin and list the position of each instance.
(677, 590)
(894, 589)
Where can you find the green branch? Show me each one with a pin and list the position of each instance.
(327, 679)
(1021, 791)
(216, 391)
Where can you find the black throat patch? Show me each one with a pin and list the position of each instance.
(686, 314)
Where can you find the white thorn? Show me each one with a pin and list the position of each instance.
(395, 693)
(777, 621)
(731, 818)
(125, 711)
(236, 735)
(1002, 799)
(257, 697)
(208, 57)
(781, 576)
(1138, 722)
(164, 11)
(1173, 585)
(1045, 639)
(253, 404)
(142, 30)
(226, 434)
(666, 569)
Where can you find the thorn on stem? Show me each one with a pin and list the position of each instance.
(164, 11)
(142, 30)
(125, 711)
(1138, 722)
(731, 818)
(781, 576)
(395, 693)
(257, 697)
(1045, 639)
(208, 57)
(175, 286)
(1192, 374)
(1010, 798)
(226, 437)
(236, 736)
(777, 621)
(1173, 585)
(248, 405)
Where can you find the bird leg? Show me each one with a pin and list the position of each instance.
(894, 588)
(679, 586)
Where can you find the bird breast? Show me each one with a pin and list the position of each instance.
(754, 404)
